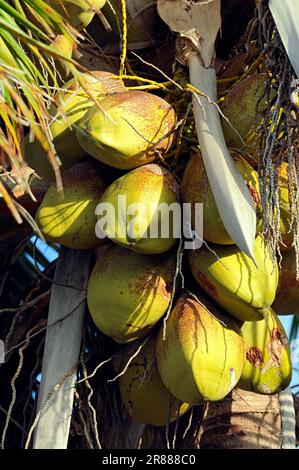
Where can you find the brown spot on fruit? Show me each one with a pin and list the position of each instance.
(255, 357)
(207, 285)
(277, 335)
(276, 345)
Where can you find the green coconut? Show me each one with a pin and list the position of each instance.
(69, 219)
(244, 289)
(287, 296)
(135, 129)
(78, 12)
(128, 292)
(144, 395)
(71, 104)
(134, 210)
(268, 367)
(243, 107)
(202, 354)
(196, 189)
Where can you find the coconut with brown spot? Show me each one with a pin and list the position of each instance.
(69, 218)
(196, 189)
(202, 354)
(268, 367)
(128, 292)
(136, 128)
(146, 399)
(244, 289)
(139, 207)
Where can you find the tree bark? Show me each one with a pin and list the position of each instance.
(243, 420)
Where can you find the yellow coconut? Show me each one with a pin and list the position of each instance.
(268, 367)
(128, 292)
(287, 296)
(144, 395)
(78, 12)
(231, 278)
(71, 104)
(136, 128)
(243, 107)
(69, 219)
(196, 189)
(140, 210)
(202, 355)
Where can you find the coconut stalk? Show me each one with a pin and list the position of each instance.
(62, 349)
(198, 23)
(286, 17)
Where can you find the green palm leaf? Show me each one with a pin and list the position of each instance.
(28, 30)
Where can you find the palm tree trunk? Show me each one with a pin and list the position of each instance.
(246, 420)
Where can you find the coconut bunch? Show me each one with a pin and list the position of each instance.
(194, 347)
(194, 344)
(261, 121)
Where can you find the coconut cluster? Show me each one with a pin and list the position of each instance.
(200, 343)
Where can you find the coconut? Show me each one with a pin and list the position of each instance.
(144, 395)
(69, 218)
(268, 367)
(196, 189)
(244, 289)
(71, 104)
(139, 206)
(202, 354)
(78, 12)
(128, 292)
(135, 129)
(243, 107)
